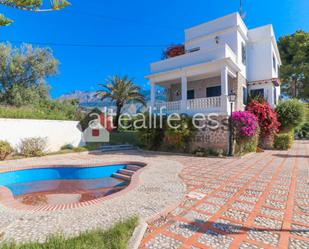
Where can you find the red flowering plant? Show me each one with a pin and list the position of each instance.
(173, 51)
(266, 116)
(268, 122)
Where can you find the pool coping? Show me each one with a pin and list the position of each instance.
(10, 202)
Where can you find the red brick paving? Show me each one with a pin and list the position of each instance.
(259, 201)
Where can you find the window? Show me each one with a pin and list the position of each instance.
(243, 53)
(274, 63)
(245, 95)
(95, 132)
(275, 95)
(257, 93)
(190, 94)
(213, 91)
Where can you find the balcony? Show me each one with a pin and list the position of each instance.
(203, 105)
(194, 58)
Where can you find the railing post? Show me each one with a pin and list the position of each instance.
(224, 89)
(184, 87)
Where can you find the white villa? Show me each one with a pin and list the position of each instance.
(220, 56)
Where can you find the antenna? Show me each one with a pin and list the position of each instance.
(241, 10)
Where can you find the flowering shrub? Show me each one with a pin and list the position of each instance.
(267, 118)
(173, 51)
(245, 124)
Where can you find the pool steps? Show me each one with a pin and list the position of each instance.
(126, 173)
(133, 167)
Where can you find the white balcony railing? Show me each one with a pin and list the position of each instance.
(194, 58)
(203, 103)
(173, 106)
(193, 105)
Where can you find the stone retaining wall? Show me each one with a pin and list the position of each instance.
(211, 138)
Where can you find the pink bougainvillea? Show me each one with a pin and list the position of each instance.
(245, 124)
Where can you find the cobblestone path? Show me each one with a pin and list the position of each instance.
(259, 201)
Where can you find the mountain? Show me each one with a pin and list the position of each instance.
(88, 100)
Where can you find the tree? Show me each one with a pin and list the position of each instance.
(23, 72)
(31, 5)
(120, 91)
(294, 72)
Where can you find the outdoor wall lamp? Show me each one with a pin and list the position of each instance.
(217, 38)
(232, 99)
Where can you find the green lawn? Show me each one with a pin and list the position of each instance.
(115, 238)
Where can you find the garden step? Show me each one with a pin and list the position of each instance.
(121, 176)
(108, 148)
(126, 172)
(133, 167)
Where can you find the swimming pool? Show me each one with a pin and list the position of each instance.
(65, 185)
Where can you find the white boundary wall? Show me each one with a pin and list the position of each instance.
(56, 132)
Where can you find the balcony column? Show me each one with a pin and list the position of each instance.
(152, 94)
(224, 89)
(184, 87)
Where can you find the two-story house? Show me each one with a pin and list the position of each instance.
(220, 56)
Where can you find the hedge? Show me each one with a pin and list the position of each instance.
(284, 141)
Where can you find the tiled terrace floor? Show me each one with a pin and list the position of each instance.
(260, 201)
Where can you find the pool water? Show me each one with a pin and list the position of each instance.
(63, 185)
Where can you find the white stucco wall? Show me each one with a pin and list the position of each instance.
(269, 89)
(57, 133)
(261, 49)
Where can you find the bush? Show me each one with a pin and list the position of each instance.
(246, 146)
(302, 132)
(208, 152)
(52, 110)
(67, 147)
(5, 150)
(80, 149)
(245, 127)
(34, 146)
(19, 95)
(290, 114)
(167, 138)
(284, 141)
(124, 137)
(266, 117)
(245, 124)
(178, 139)
(151, 138)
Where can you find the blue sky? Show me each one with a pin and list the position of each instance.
(141, 28)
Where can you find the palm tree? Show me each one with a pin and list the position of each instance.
(120, 91)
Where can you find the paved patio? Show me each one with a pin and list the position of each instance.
(259, 201)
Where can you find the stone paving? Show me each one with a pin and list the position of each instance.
(259, 201)
(157, 186)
